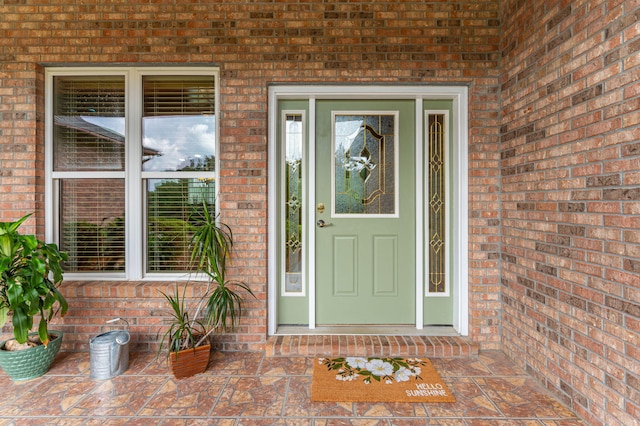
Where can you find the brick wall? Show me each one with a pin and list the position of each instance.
(553, 139)
(254, 43)
(571, 200)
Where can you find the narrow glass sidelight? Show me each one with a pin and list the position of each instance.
(293, 204)
(365, 147)
(436, 204)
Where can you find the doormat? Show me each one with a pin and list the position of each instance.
(356, 379)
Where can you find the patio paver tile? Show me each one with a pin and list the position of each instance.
(250, 388)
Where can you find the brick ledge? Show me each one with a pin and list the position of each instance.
(361, 345)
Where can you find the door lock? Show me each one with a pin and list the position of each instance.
(321, 224)
(320, 208)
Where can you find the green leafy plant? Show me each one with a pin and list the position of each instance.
(220, 306)
(211, 246)
(30, 274)
(184, 332)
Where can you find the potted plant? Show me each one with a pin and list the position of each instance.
(219, 308)
(186, 337)
(30, 274)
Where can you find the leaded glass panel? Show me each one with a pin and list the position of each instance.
(436, 203)
(364, 173)
(293, 203)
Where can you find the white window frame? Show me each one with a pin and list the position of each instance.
(133, 175)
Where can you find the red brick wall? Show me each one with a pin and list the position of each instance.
(92, 303)
(256, 43)
(571, 199)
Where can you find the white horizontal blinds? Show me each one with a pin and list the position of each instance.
(89, 123)
(92, 224)
(88, 138)
(178, 128)
(186, 95)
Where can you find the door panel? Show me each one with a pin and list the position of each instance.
(345, 273)
(385, 261)
(365, 253)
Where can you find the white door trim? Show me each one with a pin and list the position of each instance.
(460, 270)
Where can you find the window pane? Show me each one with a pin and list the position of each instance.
(172, 208)
(92, 224)
(364, 164)
(437, 201)
(88, 123)
(178, 126)
(293, 204)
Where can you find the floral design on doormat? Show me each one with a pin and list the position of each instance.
(383, 370)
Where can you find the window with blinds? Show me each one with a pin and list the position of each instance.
(104, 160)
(89, 124)
(88, 137)
(92, 219)
(178, 124)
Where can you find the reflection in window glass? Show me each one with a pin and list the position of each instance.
(293, 204)
(364, 164)
(92, 224)
(88, 123)
(178, 127)
(173, 207)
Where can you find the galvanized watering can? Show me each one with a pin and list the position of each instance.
(109, 353)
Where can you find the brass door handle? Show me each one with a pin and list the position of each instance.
(321, 224)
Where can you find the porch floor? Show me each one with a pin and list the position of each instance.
(250, 388)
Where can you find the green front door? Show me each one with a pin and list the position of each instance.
(365, 212)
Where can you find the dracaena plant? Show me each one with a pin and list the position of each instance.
(184, 331)
(30, 274)
(211, 245)
(220, 306)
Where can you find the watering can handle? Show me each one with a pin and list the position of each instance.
(116, 350)
(111, 321)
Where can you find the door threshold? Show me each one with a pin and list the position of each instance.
(408, 342)
(367, 330)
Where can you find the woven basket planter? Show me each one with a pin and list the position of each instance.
(30, 363)
(190, 361)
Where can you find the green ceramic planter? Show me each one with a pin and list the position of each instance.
(30, 363)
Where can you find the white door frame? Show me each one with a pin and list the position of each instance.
(459, 202)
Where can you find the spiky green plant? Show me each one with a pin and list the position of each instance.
(30, 273)
(211, 246)
(184, 332)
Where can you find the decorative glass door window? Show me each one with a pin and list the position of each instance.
(365, 164)
(436, 204)
(293, 204)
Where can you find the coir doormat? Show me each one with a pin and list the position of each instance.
(356, 379)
